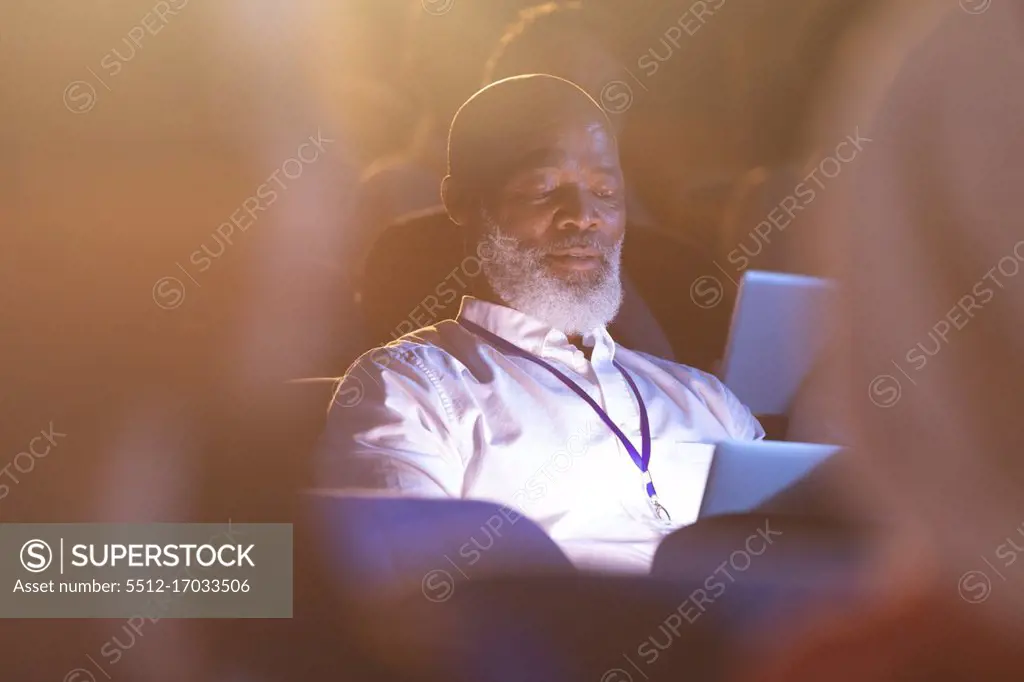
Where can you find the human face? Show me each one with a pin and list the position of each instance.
(557, 236)
(563, 195)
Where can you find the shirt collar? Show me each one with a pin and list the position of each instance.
(529, 333)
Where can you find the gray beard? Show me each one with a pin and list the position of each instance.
(575, 304)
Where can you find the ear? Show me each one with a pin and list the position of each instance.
(456, 201)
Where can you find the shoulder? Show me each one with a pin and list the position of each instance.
(429, 348)
(418, 366)
(698, 380)
(438, 352)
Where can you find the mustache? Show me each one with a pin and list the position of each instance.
(580, 240)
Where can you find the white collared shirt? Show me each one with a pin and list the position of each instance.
(443, 413)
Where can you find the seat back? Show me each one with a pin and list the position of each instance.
(753, 563)
(785, 545)
(393, 546)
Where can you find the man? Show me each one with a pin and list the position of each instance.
(525, 399)
(424, 246)
(658, 262)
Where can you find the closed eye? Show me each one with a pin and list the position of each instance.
(537, 197)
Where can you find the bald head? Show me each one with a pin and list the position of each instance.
(508, 120)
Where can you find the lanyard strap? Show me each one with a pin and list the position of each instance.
(643, 457)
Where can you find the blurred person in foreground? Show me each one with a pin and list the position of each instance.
(925, 239)
(492, 404)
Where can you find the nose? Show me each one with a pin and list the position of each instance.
(578, 211)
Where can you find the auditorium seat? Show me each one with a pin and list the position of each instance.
(557, 628)
(401, 575)
(772, 554)
(387, 547)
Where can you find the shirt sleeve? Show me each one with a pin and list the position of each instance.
(736, 417)
(389, 429)
(742, 423)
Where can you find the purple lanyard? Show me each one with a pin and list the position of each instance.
(641, 458)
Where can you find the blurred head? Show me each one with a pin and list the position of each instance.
(554, 38)
(534, 179)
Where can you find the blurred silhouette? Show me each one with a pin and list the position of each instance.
(921, 235)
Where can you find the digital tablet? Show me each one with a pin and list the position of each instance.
(746, 474)
(779, 328)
